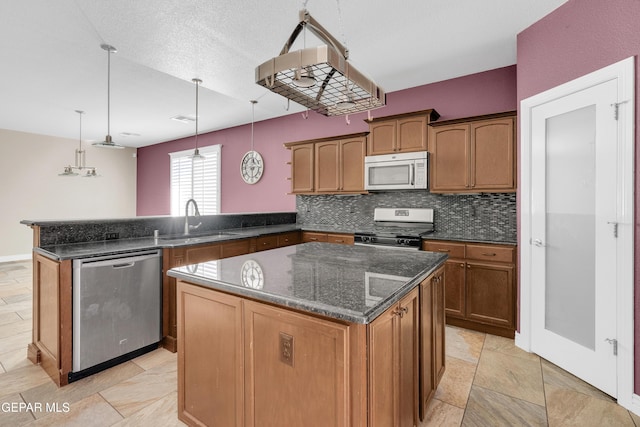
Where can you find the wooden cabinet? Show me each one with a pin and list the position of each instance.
(302, 168)
(339, 165)
(210, 357)
(51, 343)
(393, 364)
(296, 366)
(329, 165)
(480, 288)
(473, 155)
(315, 236)
(432, 337)
(401, 133)
(186, 255)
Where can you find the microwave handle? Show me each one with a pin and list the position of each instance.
(413, 174)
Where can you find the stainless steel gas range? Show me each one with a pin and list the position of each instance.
(397, 228)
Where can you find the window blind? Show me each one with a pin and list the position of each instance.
(197, 179)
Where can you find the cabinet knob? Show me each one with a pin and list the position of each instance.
(462, 264)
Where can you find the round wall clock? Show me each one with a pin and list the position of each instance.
(252, 167)
(251, 275)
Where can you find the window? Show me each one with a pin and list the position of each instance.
(197, 179)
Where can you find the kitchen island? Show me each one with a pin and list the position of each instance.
(311, 334)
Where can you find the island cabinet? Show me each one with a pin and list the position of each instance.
(400, 133)
(480, 289)
(51, 344)
(246, 363)
(432, 337)
(328, 165)
(187, 255)
(473, 155)
(394, 365)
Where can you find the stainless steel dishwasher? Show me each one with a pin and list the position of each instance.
(117, 305)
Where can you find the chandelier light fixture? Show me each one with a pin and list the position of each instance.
(80, 168)
(319, 78)
(196, 153)
(108, 142)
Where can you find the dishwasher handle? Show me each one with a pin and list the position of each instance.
(125, 265)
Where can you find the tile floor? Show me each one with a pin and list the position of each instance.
(487, 382)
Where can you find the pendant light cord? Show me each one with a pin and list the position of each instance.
(253, 118)
(197, 82)
(109, 91)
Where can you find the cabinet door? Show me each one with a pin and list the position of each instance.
(291, 238)
(264, 243)
(352, 152)
(382, 138)
(302, 168)
(393, 365)
(454, 288)
(210, 357)
(427, 377)
(201, 253)
(493, 155)
(296, 369)
(450, 152)
(412, 134)
(490, 293)
(327, 159)
(439, 324)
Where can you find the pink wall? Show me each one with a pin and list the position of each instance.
(580, 37)
(483, 93)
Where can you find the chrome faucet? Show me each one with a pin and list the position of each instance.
(188, 227)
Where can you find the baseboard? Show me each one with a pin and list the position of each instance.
(11, 258)
(635, 404)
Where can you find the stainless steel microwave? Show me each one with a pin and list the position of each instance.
(402, 171)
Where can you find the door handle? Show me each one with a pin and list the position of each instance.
(538, 243)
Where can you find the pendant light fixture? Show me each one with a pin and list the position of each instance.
(196, 153)
(252, 164)
(108, 142)
(80, 166)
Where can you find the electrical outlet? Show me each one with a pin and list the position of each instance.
(111, 236)
(286, 349)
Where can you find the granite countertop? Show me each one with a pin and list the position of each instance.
(110, 247)
(472, 238)
(351, 283)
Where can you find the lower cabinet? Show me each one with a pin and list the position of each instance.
(480, 289)
(210, 358)
(247, 363)
(432, 337)
(316, 236)
(393, 365)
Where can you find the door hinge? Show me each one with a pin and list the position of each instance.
(615, 228)
(614, 342)
(616, 109)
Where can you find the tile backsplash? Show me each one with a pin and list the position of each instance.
(490, 216)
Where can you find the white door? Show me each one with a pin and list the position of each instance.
(574, 229)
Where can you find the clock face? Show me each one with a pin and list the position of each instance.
(251, 275)
(252, 167)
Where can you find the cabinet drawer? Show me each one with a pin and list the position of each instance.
(266, 242)
(309, 236)
(286, 239)
(490, 253)
(454, 250)
(345, 239)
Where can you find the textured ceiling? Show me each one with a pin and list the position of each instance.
(51, 62)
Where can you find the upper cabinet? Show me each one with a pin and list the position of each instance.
(328, 165)
(473, 155)
(400, 133)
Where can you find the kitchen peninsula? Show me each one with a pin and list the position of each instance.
(310, 334)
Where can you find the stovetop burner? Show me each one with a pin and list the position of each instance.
(401, 228)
